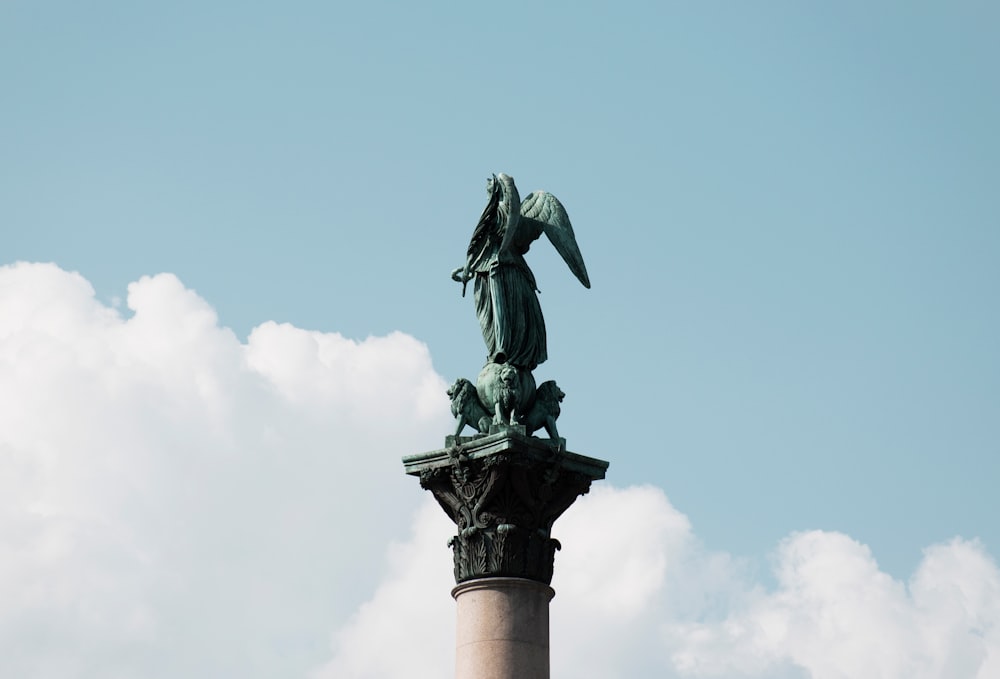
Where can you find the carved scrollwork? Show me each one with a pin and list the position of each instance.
(503, 506)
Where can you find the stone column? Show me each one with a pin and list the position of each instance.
(503, 629)
(504, 491)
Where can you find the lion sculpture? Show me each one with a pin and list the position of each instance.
(546, 409)
(506, 391)
(466, 408)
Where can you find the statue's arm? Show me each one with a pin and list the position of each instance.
(462, 277)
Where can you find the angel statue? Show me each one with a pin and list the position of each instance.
(506, 295)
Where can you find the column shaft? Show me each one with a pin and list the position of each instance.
(503, 629)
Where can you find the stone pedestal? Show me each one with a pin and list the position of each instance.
(504, 491)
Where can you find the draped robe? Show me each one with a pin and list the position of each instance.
(505, 291)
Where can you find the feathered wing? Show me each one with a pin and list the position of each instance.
(508, 214)
(541, 211)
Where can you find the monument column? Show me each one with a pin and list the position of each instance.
(504, 490)
(503, 487)
(503, 629)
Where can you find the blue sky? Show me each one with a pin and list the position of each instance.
(789, 214)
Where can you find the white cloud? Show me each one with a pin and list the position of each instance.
(177, 503)
(407, 629)
(637, 595)
(835, 614)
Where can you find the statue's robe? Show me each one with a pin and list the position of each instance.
(506, 295)
(508, 310)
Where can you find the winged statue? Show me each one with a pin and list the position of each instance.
(509, 315)
(505, 292)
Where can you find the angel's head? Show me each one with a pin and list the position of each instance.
(491, 184)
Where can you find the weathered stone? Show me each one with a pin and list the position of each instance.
(504, 491)
(503, 629)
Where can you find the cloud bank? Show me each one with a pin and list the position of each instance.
(637, 595)
(177, 503)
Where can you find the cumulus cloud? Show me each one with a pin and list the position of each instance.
(638, 595)
(178, 503)
(835, 614)
(407, 629)
(175, 502)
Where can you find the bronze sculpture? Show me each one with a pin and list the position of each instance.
(506, 299)
(502, 486)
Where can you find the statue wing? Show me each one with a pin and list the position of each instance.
(541, 211)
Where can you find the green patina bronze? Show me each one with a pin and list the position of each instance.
(505, 290)
(510, 317)
(504, 487)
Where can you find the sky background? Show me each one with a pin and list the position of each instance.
(790, 218)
